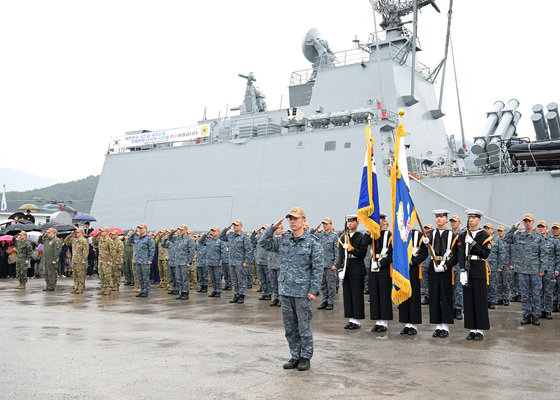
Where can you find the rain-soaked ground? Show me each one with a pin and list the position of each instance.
(57, 345)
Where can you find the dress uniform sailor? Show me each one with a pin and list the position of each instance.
(471, 248)
(441, 276)
(410, 311)
(380, 283)
(351, 261)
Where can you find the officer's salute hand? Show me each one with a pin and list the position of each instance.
(229, 227)
(277, 225)
(517, 225)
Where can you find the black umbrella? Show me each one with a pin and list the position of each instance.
(15, 228)
(18, 214)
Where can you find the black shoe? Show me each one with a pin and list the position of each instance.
(227, 288)
(241, 299)
(478, 336)
(536, 321)
(291, 364)
(263, 297)
(274, 302)
(51, 289)
(516, 299)
(500, 302)
(304, 364)
(218, 295)
(471, 335)
(268, 297)
(322, 306)
(330, 306)
(405, 330)
(436, 333)
(259, 290)
(375, 328)
(199, 290)
(279, 304)
(555, 308)
(144, 294)
(213, 294)
(366, 291)
(425, 301)
(444, 333)
(204, 289)
(382, 328)
(139, 295)
(348, 325)
(543, 314)
(458, 314)
(491, 306)
(354, 326)
(548, 315)
(412, 331)
(45, 289)
(175, 292)
(526, 320)
(506, 303)
(234, 300)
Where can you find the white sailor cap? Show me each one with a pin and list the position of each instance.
(440, 212)
(474, 213)
(382, 215)
(352, 217)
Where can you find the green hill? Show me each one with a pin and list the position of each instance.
(77, 194)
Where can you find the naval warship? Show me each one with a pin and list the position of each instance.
(260, 163)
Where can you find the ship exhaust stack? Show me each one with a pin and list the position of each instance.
(489, 127)
(541, 129)
(553, 121)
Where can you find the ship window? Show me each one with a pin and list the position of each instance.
(347, 145)
(330, 145)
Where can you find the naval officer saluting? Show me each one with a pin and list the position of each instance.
(471, 249)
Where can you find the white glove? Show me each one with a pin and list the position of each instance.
(341, 274)
(425, 240)
(375, 266)
(345, 246)
(468, 239)
(439, 268)
(464, 279)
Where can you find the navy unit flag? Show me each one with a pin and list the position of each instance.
(368, 203)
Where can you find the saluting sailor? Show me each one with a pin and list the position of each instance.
(471, 249)
(441, 275)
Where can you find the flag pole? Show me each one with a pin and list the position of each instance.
(424, 233)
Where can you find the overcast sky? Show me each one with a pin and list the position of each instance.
(76, 73)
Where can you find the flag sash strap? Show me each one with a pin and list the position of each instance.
(404, 218)
(368, 203)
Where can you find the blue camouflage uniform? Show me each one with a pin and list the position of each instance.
(201, 267)
(548, 279)
(144, 251)
(528, 264)
(274, 270)
(261, 258)
(301, 271)
(556, 242)
(212, 248)
(225, 265)
(240, 252)
(495, 262)
(184, 255)
(172, 262)
(329, 241)
(506, 291)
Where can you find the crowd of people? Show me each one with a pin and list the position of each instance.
(462, 272)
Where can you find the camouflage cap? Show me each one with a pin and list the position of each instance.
(428, 226)
(296, 212)
(528, 216)
(80, 230)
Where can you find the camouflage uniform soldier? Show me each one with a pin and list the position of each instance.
(117, 253)
(172, 263)
(213, 250)
(301, 272)
(261, 259)
(104, 245)
(225, 265)
(127, 261)
(329, 240)
(556, 240)
(495, 262)
(144, 250)
(549, 270)
(274, 269)
(240, 254)
(201, 268)
(80, 252)
(163, 260)
(51, 253)
(24, 250)
(528, 246)
(505, 270)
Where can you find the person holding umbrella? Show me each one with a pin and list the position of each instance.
(51, 253)
(24, 250)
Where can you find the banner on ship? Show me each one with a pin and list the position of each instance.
(166, 136)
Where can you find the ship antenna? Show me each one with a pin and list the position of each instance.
(458, 98)
(377, 53)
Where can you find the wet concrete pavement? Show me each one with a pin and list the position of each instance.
(57, 345)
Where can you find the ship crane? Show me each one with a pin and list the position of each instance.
(393, 10)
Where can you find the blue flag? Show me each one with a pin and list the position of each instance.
(404, 218)
(368, 203)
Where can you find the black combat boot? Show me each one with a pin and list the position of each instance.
(204, 289)
(304, 364)
(241, 299)
(291, 364)
(274, 302)
(213, 294)
(234, 300)
(218, 294)
(322, 306)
